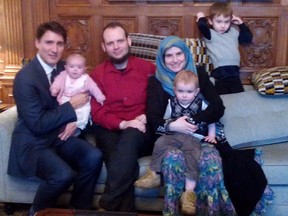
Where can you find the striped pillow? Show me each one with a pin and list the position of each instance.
(146, 45)
(271, 81)
(199, 51)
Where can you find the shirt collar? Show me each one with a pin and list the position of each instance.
(47, 68)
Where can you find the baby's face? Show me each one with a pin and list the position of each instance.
(185, 92)
(75, 67)
(220, 23)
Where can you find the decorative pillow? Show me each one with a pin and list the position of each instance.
(272, 81)
(199, 51)
(145, 45)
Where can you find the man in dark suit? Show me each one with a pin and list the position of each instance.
(42, 141)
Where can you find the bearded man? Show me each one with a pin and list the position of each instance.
(120, 124)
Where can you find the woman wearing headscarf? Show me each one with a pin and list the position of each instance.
(212, 197)
(160, 89)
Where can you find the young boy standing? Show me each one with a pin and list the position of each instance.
(222, 40)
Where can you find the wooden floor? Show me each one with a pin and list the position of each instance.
(22, 210)
(152, 214)
(149, 213)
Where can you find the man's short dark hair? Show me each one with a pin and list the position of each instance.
(113, 25)
(51, 26)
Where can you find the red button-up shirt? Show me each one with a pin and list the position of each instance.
(125, 92)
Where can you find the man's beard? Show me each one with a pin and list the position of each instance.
(120, 60)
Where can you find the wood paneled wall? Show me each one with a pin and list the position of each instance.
(85, 19)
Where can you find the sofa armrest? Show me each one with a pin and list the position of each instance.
(8, 119)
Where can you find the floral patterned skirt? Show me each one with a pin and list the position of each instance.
(212, 196)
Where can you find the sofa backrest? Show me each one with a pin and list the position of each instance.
(146, 45)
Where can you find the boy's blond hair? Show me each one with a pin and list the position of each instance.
(186, 76)
(220, 8)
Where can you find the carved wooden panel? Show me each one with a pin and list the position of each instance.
(165, 26)
(261, 54)
(129, 23)
(78, 35)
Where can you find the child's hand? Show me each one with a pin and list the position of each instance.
(54, 92)
(200, 15)
(236, 20)
(101, 99)
(210, 139)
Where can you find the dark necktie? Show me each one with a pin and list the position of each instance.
(53, 74)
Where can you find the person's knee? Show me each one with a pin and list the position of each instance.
(93, 160)
(132, 138)
(174, 156)
(64, 178)
(134, 132)
(174, 153)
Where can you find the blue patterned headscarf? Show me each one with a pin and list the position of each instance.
(163, 73)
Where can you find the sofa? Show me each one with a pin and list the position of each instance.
(251, 119)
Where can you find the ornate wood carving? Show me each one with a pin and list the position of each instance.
(129, 23)
(165, 26)
(261, 53)
(78, 34)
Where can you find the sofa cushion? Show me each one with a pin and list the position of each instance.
(276, 162)
(145, 46)
(271, 81)
(252, 119)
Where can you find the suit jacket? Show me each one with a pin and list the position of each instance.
(39, 118)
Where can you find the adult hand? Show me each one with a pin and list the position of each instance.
(182, 126)
(142, 118)
(68, 131)
(134, 124)
(79, 100)
(236, 20)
